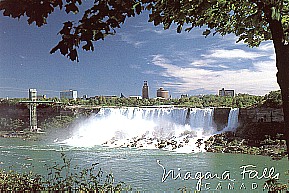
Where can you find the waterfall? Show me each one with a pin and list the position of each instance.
(198, 118)
(172, 128)
(232, 120)
(202, 118)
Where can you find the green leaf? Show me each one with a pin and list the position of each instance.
(138, 8)
(73, 55)
(88, 46)
(276, 15)
(179, 29)
(188, 29)
(207, 32)
(71, 8)
(98, 36)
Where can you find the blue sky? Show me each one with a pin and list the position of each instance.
(186, 63)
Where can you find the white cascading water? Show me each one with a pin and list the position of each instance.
(233, 121)
(147, 128)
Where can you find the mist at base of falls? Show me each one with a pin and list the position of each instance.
(181, 129)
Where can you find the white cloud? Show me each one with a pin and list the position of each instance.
(135, 66)
(215, 65)
(223, 66)
(267, 46)
(159, 32)
(205, 62)
(151, 72)
(128, 38)
(233, 54)
(208, 63)
(189, 78)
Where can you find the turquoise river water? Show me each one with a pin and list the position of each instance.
(141, 169)
(145, 167)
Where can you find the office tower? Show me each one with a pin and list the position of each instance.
(145, 90)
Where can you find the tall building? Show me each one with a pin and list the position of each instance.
(32, 94)
(32, 109)
(224, 92)
(69, 94)
(145, 90)
(162, 93)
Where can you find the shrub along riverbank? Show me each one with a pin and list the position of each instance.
(50, 126)
(61, 178)
(228, 142)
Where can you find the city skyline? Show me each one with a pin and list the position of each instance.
(159, 93)
(186, 63)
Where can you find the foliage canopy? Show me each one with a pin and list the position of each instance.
(249, 19)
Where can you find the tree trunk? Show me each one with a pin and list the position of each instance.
(282, 64)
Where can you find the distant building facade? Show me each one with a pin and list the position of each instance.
(109, 96)
(145, 90)
(224, 92)
(32, 94)
(103, 97)
(32, 109)
(184, 96)
(135, 97)
(69, 94)
(162, 93)
(41, 96)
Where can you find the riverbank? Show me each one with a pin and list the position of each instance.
(228, 143)
(25, 135)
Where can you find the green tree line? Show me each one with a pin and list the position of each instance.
(273, 99)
